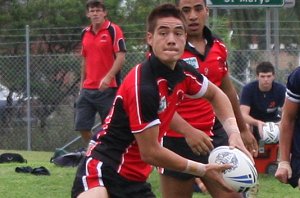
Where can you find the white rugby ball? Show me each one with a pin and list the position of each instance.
(270, 132)
(243, 175)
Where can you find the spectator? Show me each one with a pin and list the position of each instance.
(261, 102)
(262, 99)
(103, 57)
(289, 164)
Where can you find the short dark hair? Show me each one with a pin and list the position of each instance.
(162, 11)
(178, 1)
(265, 67)
(95, 4)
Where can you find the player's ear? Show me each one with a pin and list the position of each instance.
(149, 38)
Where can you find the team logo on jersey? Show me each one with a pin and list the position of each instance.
(104, 38)
(192, 61)
(206, 71)
(162, 104)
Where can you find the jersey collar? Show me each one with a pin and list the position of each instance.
(105, 25)
(161, 70)
(210, 41)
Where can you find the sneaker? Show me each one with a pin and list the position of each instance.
(252, 192)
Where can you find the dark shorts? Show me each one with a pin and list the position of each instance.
(117, 186)
(179, 146)
(295, 164)
(91, 102)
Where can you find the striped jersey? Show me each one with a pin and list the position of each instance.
(148, 96)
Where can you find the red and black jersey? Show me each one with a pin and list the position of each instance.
(148, 96)
(99, 53)
(213, 64)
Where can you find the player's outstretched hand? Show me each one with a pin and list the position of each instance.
(214, 174)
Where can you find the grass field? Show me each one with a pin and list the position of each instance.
(58, 184)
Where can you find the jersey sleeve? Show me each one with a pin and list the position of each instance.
(119, 41)
(293, 88)
(83, 33)
(222, 59)
(282, 93)
(196, 83)
(246, 96)
(197, 88)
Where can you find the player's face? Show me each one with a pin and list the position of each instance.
(168, 40)
(265, 80)
(96, 15)
(196, 14)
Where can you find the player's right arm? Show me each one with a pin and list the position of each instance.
(153, 153)
(224, 111)
(246, 134)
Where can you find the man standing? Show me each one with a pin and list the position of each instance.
(208, 55)
(103, 51)
(289, 164)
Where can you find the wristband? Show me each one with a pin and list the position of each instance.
(286, 165)
(195, 168)
(230, 126)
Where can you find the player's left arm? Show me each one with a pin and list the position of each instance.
(247, 137)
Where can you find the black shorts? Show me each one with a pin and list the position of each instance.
(295, 164)
(91, 102)
(117, 186)
(179, 146)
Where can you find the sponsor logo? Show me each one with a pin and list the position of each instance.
(192, 61)
(162, 104)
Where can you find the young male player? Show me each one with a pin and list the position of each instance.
(207, 54)
(129, 144)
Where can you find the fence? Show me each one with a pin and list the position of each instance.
(38, 90)
(54, 88)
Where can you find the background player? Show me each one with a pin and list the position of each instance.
(103, 58)
(208, 55)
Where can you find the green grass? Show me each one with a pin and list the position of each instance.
(58, 184)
